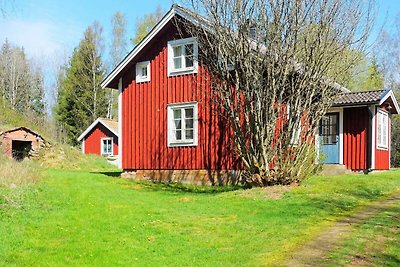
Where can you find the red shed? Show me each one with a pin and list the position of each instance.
(168, 127)
(358, 133)
(101, 138)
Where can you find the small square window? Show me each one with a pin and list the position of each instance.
(182, 124)
(143, 71)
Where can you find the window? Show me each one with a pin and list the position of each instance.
(106, 146)
(182, 56)
(182, 124)
(382, 129)
(143, 71)
(329, 129)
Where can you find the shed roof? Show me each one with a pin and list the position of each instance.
(24, 129)
(368, 97)
(111, 125)
(364, 97)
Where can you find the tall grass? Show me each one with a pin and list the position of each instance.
(65, 157)
(15, 179)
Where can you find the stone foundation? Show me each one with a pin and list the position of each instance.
(198, 177)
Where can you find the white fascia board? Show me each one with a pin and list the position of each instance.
(120, 123)
(139, 47)
(92, 126)
(373, 135)
(386, 96)
(175, 10)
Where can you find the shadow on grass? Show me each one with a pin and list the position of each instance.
(186, 188)
(173, 187)
(109, 173)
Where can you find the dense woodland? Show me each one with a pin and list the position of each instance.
(80, 98)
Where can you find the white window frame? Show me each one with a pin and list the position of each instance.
(172, 142)
(184, 70)
(139, 71)
(382, 127)
(294, 140)
(102, 146)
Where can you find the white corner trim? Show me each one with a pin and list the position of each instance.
(341, 139)
(390, 137)
(373, 137)
(390, 94)
(120, 123)
(91, 126)
(83, 146)
(317, 145)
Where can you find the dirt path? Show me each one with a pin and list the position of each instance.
(315, 252)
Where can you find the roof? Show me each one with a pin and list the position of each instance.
(365, 97)
(377, 97)
(111, 81)
(111, 125)
(22, 128)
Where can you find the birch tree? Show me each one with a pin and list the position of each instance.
(118, 51)
(81, 100)
(273, 66)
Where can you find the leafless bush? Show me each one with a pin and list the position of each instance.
(270, 62)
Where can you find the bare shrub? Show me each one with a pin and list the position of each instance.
(269, 63)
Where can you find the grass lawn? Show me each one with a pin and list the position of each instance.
(87, 218)
(376, 242)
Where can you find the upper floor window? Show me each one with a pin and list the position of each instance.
(143, 71)
(182, 56)
(182, 124)
(382, 129)
(107, 146)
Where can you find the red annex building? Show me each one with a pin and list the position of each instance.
(169, 130)
(100, 138)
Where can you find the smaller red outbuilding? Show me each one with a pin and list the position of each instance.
(101, 138)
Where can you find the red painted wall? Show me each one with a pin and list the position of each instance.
(144, 119)
(93, 138)
(382, 157)
(355, 138)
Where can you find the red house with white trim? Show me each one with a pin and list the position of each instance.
(169, 130)
(101, 138)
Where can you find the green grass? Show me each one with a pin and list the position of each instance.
(75, 218)
(376, 242)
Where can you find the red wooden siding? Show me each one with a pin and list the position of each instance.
(144, 119)
(355, 137)
(93, 139)
(382, 157)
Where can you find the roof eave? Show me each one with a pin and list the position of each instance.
(98, 120)
(390, 94)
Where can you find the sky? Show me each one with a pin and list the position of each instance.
(50, 29)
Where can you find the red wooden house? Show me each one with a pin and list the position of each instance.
(168, 130)
(101, 138)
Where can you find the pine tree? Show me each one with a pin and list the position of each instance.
(81, 100)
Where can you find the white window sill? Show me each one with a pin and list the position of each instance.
(143, 81)
(182, 72)
(179, 144)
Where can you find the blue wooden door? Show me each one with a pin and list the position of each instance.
(329, 138)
